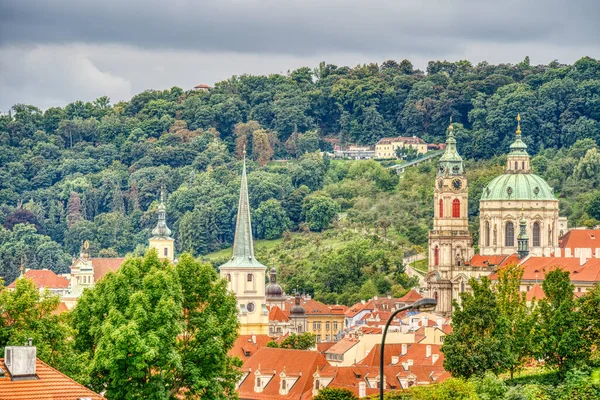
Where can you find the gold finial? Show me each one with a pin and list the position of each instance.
(86, 245)
(450, 126)
(518, 124)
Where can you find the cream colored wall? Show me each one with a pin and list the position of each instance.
(257, 321)
(323, 319)
(366, 343)
(160, 245)
(498, 213)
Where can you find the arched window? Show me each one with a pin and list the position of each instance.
(249, 277)
(228, 277)
(441, 208)
(516, 165)
(522, 164)
(456, 208)
(436, 256)
(487, 233)
(536, 234)
(462, 286)
(258, 381)
(509, 235)
(166, 251)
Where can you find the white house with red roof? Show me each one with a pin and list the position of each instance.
(45, 279)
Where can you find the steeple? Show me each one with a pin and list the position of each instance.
(518, 158)
(451, 161)
(161, 230)
(243, 245)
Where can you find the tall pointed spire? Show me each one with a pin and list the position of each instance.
(161, 230)
(451, 161)
(243, 244)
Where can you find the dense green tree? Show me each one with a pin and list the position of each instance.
(559, 338)
(270, 220)
(335, 394)
(476, 344)
(319, 211)
(302, 341)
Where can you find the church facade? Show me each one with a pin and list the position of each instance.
(518, 215)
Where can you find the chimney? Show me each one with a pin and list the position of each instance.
(434, 358)
(428, 351)
(395, 360)
(597, 253)
(440, 322)
(254, 339)
(424, 321)
(567, 252)
(20, 361)
(404, 349)
(557, 252)
(582, 258)
(362, 389)
(547, 252)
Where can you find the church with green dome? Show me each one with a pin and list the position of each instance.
(516, 195)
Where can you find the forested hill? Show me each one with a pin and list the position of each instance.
(94, 170)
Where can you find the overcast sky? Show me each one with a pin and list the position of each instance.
(53, 52)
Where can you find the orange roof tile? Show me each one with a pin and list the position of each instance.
(410, 297)
(484, 261)
(581, 239)
(342, 346)
(536, 292)
(300, 364)
(277, 314)
(249, 344)
(62, 307)
(44, 278)
(322, 347)
(314, 307)
(535, 268)
(103, 266)
(51, 385)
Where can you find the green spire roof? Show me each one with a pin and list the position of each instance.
(161, 230)
(518, 148)
(451, 161)
(243, 245)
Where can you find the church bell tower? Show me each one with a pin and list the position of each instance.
(450, 242)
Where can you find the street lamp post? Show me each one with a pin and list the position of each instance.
(420, 305)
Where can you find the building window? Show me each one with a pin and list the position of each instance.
(516, 165)
(249, 278)
(536, 234)
(436, 256)
(487, 233)
(441, 208)
(435, 295)
(258, 382)
(327, 326)
(228, 277)
(462, 286)
(509, 236)
(166, 252)
(319, 325)
(522, 164)
(314, 326)
(456, 208)
(283, 385)
(335, 326)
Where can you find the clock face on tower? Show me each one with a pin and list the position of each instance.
(457, 184)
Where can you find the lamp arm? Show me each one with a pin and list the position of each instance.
(387, 325)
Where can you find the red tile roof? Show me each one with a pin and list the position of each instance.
(103, 266)
(202, 86)
(300, 364)
(44, 278)
(484, 261)
(249, 344)
(277, 314)
(535, 268)
(535, 292)
(313, 307)
(410, 297)
(343, 345)
(51, 385)
(581, 239)
(322, 347)
(62, 307)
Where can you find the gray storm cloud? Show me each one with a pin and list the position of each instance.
(55, 52)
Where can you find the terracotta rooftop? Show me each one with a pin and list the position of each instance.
(277, 314)
(342, 346)
(484, 261)
(410, 297)
(44, 278)
(202, 86)
(103, 266)
(314, 307)
(535, 292)
(62, 307)
(246, 346)
(581, 238)
(535, 268)
(298, 365)
(51, 385)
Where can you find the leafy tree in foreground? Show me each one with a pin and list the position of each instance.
(476, 344)
(157, 331)
(589, 305)
(520, 319)
(303, 341)
(559, 335)
(335, 394)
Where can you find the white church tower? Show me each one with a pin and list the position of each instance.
(246, 276)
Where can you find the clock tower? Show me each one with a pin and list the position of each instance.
(450, 242)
